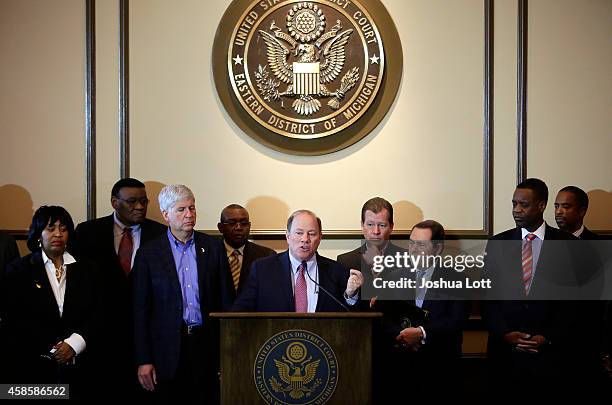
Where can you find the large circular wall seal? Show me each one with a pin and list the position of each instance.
(296, 367)
(307, 77)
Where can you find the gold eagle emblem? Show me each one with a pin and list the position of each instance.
(306, 59)
(296, 373)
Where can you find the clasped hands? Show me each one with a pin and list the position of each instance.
(524, 342)
(410, 338)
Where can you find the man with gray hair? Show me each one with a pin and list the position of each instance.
(178, 279)
(299, 279)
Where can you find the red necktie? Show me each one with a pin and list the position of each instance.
(301, 298)
(527, 261)
(126, 246)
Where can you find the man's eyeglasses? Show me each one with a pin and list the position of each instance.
(134, 201)
(235, 223)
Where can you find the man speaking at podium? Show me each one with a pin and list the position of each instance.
(299, 279)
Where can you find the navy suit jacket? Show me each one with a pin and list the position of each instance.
(269, 287)
(158, 302)
(544, 312)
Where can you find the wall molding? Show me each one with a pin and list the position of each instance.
(124, 88)
(90, 106)
(521, 96)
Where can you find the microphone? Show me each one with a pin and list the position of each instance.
(325, 291)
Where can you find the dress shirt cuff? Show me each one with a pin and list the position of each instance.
(351, 300)
(424, 335)
(77, 343)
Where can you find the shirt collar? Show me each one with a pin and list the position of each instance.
(229, 250)
(538, 232)
(67, 257)
(579, 231)
(121, 225)
(295, 263)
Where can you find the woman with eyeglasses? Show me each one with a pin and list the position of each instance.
(48, 306)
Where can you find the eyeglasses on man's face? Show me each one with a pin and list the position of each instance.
(134, 201)
(233, 223)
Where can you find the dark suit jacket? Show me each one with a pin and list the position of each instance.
(158, 302)
(31, 319)
(445, 319)
(543, 313)
(354, 260)
(587, 234)
(95, 240)
(538, 315)
(445, 316)
(269, 287)
(443, 324)
(8, 251)
(252, 252)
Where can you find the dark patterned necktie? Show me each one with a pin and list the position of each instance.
(126, 247)
(527, 260)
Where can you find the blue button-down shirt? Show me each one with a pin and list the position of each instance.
(187, 270)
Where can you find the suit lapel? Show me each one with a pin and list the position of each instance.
(286, 283)
(40, 278)
(108, 245)
(70, 287)
(513, 256)
(167, 264)
(202, 259)
(246, 262)
(325, 281)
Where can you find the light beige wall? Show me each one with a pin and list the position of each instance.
(180, 132)
(570, 101)
(504, 138)
(107, 102)
(177, 119)
(42, 123)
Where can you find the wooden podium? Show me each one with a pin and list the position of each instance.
(288, 357)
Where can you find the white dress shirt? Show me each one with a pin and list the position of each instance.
(579, 231)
